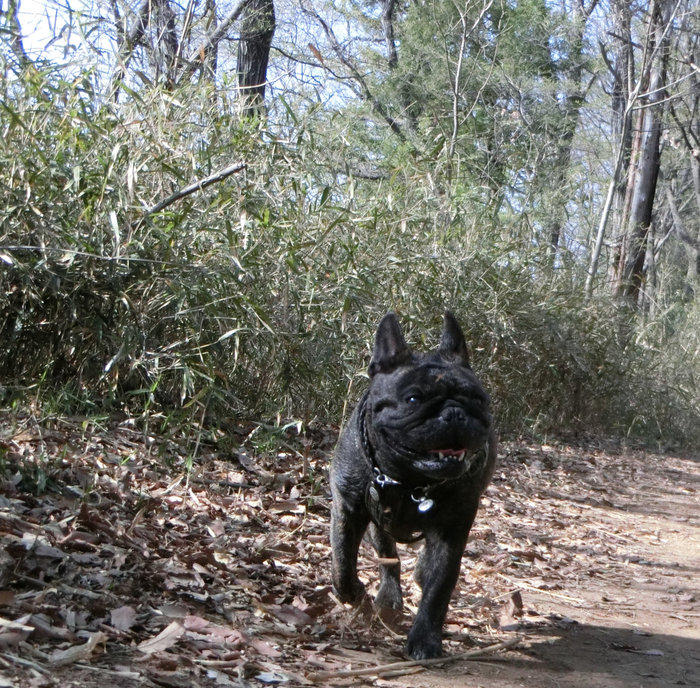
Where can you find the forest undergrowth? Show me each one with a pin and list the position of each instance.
(257, 297)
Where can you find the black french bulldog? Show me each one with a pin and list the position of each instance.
(412, 462)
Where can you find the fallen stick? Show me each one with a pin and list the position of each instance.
(24, 662)
(532, 588)
(383, 669)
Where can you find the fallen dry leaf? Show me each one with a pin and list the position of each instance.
(123, 618)
(288, 613)
(509, 619)
(164, 640)
(78, 653)
(238, 559)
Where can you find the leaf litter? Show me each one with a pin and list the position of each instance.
(120, 565)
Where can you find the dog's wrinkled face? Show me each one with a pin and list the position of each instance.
(428, 414)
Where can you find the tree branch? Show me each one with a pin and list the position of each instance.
(11, 20)
(199, 55)
(196, 186)
(394, 667)
(364, 90)
(129, 42)
(388, 28)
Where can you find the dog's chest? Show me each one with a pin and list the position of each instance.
(402, 512)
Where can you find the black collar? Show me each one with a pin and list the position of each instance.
(385, 496)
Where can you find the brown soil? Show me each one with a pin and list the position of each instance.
(120, 568)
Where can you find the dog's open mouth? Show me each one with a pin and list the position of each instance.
(449, 454)
(446, 461)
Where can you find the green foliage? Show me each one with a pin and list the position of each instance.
(258, 296)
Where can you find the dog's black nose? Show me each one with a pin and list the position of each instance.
(453, 414)
(463, 428)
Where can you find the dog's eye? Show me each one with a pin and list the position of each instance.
(414, 398)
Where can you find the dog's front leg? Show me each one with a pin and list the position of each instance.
(389, 594)
(437, 576)
(347, 528)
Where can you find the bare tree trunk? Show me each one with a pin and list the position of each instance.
(166, 45)
(211, 61)
(570, 108)
(406, 86)
(158, 17)
(686, 125)
(257, 30)
(388, 29)
(622, 69)
(691, 243)
(630, 269)
(154, 28)
(207, 49)
(605, 213)
(129, 40)
(11, 25)
(623, 78)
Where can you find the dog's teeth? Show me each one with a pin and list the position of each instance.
(451, 455)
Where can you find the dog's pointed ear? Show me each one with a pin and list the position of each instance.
(390, 348)
(453, 347)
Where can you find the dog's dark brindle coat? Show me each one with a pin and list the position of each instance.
(412, 462)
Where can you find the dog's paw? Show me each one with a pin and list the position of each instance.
(389, 595)
(423, 646)
(351, 594)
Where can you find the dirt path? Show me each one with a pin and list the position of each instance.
(627, 610)
(118, 567)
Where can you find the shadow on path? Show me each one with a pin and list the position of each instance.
(584, 656)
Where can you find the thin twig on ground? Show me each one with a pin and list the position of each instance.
(384, 669)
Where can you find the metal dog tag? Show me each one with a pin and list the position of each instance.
(425, 505)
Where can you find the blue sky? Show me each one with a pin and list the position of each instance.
(36, 19)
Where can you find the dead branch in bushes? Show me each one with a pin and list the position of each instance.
(195, 186)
